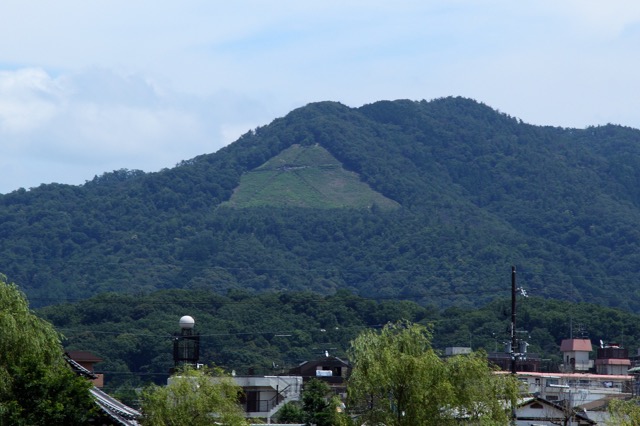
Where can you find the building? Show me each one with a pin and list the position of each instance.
(576, 388)
(111, 412)
(612, 359)
(575, 355)
(264, 396)
(457, 350)
(502, 360)
(583, 386)
(330, 369)
(540, 412)
(87, 360)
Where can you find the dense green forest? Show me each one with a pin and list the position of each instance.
(474, 191)
(272, 332)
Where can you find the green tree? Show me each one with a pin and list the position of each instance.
(318, 405)
(290, 413)
(193, 398)
(36, 385)
(398, 379)
(624, 413)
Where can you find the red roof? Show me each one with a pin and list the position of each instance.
(574, 345)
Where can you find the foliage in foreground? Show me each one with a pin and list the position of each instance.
(624, 413)
(36, 386)
(193, 398)
(319, 406)
(398, 380)
(290, 413)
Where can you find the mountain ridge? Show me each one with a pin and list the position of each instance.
(478, 191)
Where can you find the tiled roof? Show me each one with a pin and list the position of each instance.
(84, 356)
(116, 410)
(111, 407)
(572, 345)
(78, 369)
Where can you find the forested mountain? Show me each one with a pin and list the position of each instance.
(454, 193)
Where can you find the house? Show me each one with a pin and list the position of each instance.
(111, 411)
(599, 410)
(536, 411)
(114, 412)
(87, 360)
(330, 369)
(576, 389)
(612, 359)
(263, 396)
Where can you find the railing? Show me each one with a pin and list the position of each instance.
(266, 405)
(258, 406)
(281, 397)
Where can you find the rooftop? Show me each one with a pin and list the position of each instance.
(573, 345)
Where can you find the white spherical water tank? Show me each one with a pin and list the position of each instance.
(187, 322)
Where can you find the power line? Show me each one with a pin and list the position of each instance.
(170, 336)
(75, 264)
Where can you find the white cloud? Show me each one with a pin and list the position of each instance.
(89, 87)
(28, 99)
(102, 121)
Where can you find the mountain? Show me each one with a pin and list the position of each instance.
(428, 201)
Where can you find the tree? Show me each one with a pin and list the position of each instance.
(36, 385)
(398, 379)
(193, 398)
(290, 413)
(318, 406)
(624, 413)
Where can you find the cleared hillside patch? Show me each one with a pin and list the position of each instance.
(306, 176)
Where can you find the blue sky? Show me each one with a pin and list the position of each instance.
(88, 87)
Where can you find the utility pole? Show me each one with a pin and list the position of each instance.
(514, 340)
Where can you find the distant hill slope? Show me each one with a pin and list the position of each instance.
(476, 191)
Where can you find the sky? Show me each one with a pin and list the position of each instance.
(92, 86)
